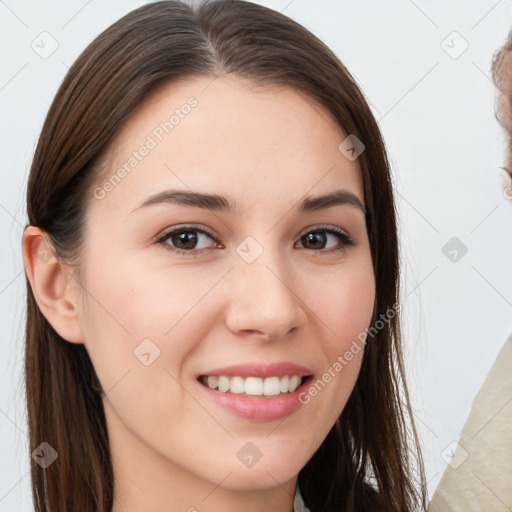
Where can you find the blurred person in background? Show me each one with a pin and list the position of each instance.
(479, 474)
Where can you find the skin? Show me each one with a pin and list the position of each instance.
(504, 113)
(173, 448)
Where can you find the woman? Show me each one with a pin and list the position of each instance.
(212, 272)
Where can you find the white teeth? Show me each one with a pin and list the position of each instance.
(294, 383)
(237, 385)
(271, 386)
(224, 383)
(254, 386)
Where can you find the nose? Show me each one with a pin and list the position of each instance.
(262, 301)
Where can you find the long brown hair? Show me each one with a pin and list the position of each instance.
(371, 459)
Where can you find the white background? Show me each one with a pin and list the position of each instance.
(436, 113)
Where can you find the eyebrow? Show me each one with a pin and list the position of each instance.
(220, 203)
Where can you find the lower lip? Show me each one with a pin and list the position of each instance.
(259, 408)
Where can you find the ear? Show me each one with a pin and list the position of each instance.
(54, 287)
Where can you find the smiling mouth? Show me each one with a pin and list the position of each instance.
(253, 386)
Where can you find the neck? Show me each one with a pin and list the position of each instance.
(146, 481)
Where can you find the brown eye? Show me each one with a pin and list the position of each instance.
(185, 240)
(314, 240)
(318, 239)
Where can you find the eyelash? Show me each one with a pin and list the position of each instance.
(346, 240)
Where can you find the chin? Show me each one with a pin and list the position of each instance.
(259, 477)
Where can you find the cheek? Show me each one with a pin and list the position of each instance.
(345, 304)
(141, 301)
(139, 333)
(133, 311)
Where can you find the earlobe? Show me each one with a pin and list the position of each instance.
(52, 285)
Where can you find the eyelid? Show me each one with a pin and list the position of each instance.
(184, 227)
(336, 230)
(313, 227)
(322, 227)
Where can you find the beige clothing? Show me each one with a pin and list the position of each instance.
(479, 474)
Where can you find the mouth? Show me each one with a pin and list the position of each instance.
(253, 386)
(257, 392)
(254, 398)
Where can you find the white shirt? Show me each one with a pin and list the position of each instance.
(298, 502)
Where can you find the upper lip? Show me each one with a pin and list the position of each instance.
(279, 369)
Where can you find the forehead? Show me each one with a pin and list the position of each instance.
(227, 134)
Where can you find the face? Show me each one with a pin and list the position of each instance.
(255, 293)
(504, 107)
(504, 111)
